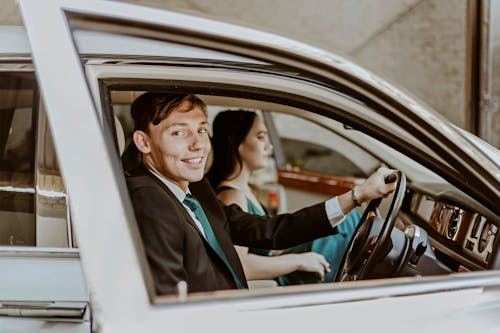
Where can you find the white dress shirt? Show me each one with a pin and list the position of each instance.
(180, 195)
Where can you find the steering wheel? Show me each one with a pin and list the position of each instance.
(371, 241)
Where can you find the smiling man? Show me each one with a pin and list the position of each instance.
(188, 234)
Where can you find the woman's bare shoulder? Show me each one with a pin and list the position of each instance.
(233, 196)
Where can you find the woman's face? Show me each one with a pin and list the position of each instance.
(256, 148)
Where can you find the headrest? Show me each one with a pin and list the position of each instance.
(120, 135)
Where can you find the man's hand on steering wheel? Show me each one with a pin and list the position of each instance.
(376, 186)
(371, 241)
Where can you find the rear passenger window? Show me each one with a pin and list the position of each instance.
(33, 209)
(17, 153)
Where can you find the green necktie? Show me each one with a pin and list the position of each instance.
(195, 206)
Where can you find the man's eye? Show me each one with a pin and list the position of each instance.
(202, 130)
(178, 133)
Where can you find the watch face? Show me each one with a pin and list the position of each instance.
(355, 195)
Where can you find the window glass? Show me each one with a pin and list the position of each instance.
(33, 207)
(17, 152)
(52, 216)
(311, 147)
(313, 157)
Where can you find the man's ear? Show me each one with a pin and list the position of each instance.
(141, 141)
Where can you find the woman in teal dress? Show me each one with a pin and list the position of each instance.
(240, 146)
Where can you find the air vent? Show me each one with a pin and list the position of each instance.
(476, 227)
(487, 236)
(454, 223)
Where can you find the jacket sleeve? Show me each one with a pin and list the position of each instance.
(281, 231)
(162, 236)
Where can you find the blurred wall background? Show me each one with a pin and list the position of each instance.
(420, 45)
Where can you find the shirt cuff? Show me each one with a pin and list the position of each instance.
(333, 211)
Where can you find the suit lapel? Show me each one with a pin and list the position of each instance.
(208, 200)
(179, 205)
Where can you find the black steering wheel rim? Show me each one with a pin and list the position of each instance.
(371, 239)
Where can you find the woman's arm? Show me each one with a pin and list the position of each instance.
(258, 267)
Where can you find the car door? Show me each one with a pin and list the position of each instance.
(112, 255)
(41, 276)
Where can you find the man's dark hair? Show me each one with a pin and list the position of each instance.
(154, 107)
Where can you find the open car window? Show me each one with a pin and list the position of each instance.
(297, 195)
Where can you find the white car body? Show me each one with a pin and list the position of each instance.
(116, 293)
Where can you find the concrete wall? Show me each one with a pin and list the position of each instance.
(417, 44)
(424, 51)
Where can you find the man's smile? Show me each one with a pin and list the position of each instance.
(195, 161)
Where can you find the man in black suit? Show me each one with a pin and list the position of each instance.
(188, 234)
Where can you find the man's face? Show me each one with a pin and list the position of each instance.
(177, 148)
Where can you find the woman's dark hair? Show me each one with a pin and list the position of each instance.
(229, 130)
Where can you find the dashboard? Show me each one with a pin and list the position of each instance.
(459, 227)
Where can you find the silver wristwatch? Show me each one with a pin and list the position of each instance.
(355, 195)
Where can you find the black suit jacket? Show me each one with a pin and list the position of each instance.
(176, 249)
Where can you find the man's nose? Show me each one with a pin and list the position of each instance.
(197, 142)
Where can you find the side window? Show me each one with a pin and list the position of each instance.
(17, 153)
(310, 147)
(316, 162)
(310, 156)
(33, 209)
